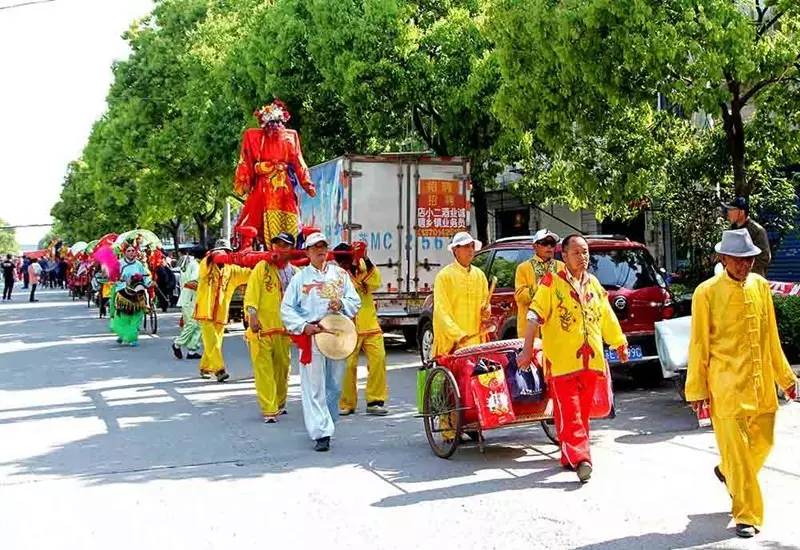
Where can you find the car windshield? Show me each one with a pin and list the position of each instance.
(623, 268)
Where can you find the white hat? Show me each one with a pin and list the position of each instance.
(315, 238)
(222, 244)
(542, 234)
(463, 238)
(737, 243)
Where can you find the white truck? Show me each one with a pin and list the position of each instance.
(374, 198)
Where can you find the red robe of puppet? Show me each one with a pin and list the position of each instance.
(262, 177)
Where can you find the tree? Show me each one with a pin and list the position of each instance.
(8, 239)
(568, 65)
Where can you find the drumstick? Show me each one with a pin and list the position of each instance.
(492, 286)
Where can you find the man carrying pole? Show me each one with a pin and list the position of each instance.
(266, 337)
(215, 287)
(366, 279)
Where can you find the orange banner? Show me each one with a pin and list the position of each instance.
(441, 208)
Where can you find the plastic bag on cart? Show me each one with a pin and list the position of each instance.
(492, 399)
(525, 385)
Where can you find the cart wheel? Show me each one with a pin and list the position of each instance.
(440, 405)
(153, 321)
(549, 428)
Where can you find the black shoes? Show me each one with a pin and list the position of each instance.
(584, 471)
(745, 531)
(193, 355)
(222, 376)
(177, 352)
(323, 444)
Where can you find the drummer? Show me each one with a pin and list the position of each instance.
(318, 290)
(460, 299)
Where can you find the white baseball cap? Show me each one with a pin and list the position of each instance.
(463, 238)
(544, 233)
(315, 238)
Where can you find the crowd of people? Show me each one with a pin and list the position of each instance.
(44, 272)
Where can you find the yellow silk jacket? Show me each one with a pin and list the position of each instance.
(526, 281)
(574, 326)
(735, 354)
(366, 282)
(215, 288)
(459, 295)
(264, 293)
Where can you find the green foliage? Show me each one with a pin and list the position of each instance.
(787, 312)
(8, 240)
(565, 90)
(580, 83)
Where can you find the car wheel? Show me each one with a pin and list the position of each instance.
(426, 341)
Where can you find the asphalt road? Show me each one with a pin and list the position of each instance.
(109, 447)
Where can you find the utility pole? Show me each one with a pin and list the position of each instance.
(226, 221)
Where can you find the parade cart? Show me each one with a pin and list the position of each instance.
(448, 406)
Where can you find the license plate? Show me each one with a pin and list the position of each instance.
(634, 352)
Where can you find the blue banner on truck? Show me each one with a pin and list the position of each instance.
(326, 209)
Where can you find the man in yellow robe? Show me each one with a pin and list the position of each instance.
(529, 274)
(460, 299)
(572, 309)
(735, 361)
(215, 288)
(366, 279)
(266, 336)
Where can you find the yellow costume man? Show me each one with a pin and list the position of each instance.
(460, 299)
(575, 317)
(266, 337)
(215, 288)
(531, 272)
(366, 279)
(735, 360)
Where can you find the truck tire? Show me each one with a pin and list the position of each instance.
(426, 341)
(410, 334)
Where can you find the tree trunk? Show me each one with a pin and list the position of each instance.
(734, 138)
(202, 230)
(176, 234)
(481, 211)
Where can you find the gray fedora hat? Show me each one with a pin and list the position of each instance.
(737, 242)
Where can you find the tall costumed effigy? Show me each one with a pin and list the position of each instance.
(270, 174)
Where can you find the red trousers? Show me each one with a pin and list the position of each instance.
(572, 403)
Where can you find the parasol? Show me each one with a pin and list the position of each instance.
(147, 239)
(78, 247)
(107, 239)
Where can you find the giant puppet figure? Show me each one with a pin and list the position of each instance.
(270, 170)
